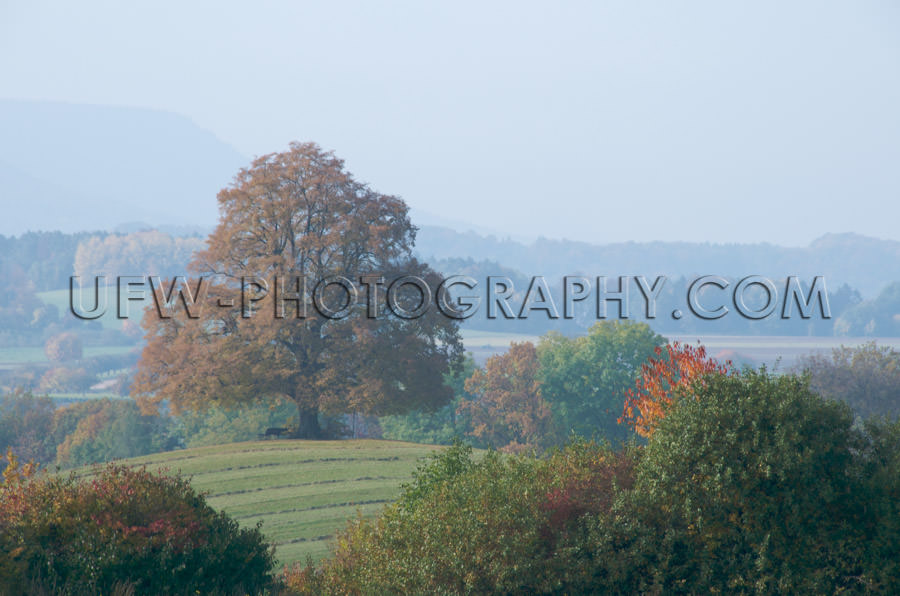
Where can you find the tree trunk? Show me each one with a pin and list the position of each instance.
(308, 423)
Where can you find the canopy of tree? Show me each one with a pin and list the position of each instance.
(301, 213)
(585, 379)
(866, 377)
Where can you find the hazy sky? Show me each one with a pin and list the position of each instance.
(600, 121)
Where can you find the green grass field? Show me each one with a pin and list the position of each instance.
(302, 491)
(60, 299)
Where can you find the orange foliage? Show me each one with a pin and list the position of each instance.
(14, 472)
(661, 381)
(292, 214)
(509, 412)
(13, 483)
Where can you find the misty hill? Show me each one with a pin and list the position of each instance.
(867, 264)
(77, 167)
(74, 167)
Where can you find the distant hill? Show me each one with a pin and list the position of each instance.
(72, 167)
(867, 264)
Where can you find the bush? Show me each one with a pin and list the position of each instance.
(763, 487)
(439, 427)
(502, 525)
(124, 528)
(219, 425)
(585, 379)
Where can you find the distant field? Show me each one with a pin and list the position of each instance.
(758, 349)
(66, 398)
(302, 491)
(484, 344)
(60, 299)
(784, 350)
(32, 354)
(474, 337)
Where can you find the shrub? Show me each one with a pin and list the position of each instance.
(218, 425)
(585, 378)
(124, 527)
(505, 524)
(25, 424)
(508, 411)
(764, 487)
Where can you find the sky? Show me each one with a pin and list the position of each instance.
(598, 121)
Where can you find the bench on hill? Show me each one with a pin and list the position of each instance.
(275, 431)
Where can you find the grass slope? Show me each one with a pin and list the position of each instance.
(302, 491)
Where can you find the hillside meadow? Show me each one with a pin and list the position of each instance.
(301, 491)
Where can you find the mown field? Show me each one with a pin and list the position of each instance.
(302, 491)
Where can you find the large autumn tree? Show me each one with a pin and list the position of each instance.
(300, 213)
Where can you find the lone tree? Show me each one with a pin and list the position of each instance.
(299, 217)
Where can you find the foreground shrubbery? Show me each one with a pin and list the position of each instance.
(756, 485)
(749, 484)
(746, 483)
(503, 524)
(123, 529)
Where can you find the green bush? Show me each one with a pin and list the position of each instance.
(504, 524)
(585, 379)
(760, 486)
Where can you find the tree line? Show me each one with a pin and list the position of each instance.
(747, 483)
(735, 481)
